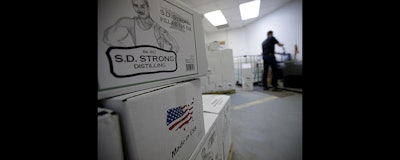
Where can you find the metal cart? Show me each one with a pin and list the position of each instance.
(256, 63)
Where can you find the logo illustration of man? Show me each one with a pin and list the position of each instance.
(139, 30)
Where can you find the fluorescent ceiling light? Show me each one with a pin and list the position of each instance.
(249, 9)
(216, 18)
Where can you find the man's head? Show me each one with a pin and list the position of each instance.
(269, 33)
(141, 7)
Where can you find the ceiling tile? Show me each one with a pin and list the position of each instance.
(230, 9)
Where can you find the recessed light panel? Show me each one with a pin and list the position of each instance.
(216, 18)
(249, 10)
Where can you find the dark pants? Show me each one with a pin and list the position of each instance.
(270, 60)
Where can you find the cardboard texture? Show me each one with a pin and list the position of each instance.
(133, 55)
(109, 143)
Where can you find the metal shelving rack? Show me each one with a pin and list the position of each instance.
(256, 63)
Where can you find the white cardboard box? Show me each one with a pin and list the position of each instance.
(220, 104)
(161, 123)
(109, 143)
(229, 86)
(208, 146)
(227, 66)
(247, 75)
(204, 83)
(211, 87)
(247, 85)
(247, 78)
(131, 59)
(220, 63)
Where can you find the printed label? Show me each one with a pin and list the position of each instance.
(131, 61)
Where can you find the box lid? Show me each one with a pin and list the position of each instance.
(214, 103)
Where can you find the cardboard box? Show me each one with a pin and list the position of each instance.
(227, 66)
(161, 123)
(220, 105)
(247, 77)
(247, 86)
(131, 58)
(203, 83)
(109, 143)
(229, 86)
(221, 69)
(247, 71)
(214, 62)
(209, 144)
(215, 78)
(211, 87)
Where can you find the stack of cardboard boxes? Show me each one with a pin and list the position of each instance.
(219, 105)
(208, 148)
(151, 103)
(220, 75)
(247, 77)
(217, 142)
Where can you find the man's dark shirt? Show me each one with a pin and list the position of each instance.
(268, 45)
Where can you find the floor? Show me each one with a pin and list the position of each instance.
(266, 125)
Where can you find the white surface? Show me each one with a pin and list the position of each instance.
(220, 66)
(214, 103)
(109, 143)
(208, 146)
(216, 17)
(250, 9)
(247, 85)
(227, 66)
(144, 120)
(220, 104)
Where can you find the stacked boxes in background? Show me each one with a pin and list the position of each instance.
(209, 144)
(109, 143)
(220, 76)
(130, 59)
(160, 123)
(228, 77)
(214, 70)
(247, 77)
(220, 105)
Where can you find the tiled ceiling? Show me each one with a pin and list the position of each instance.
(230, 9)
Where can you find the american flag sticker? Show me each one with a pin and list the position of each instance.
(179, 116)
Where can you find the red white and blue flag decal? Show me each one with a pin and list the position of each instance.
(179, 116)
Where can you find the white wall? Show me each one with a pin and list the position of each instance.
(234, 39)
(286, 23)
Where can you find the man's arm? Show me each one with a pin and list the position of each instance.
(167, 38)
(277, 42)
(116, 33)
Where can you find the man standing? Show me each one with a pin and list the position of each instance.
(268, 53)
(142, 30)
